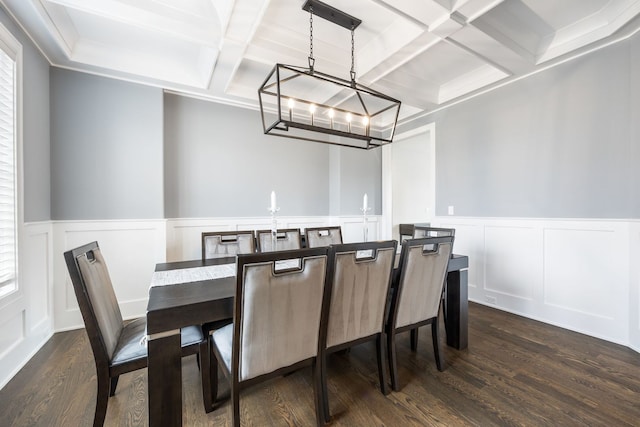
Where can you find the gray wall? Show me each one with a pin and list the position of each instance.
(634, 119)
(106, 148)
(35, 142)
(560, 144)
(218, 162)
(125, 151)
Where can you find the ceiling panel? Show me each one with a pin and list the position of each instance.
(426, 53)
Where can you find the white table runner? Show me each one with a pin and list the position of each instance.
(196, 274)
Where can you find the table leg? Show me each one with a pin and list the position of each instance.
(165, 379)
(457, 308)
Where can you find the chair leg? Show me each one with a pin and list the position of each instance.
(113, 385)
(319, 390)
(436, 345)
(213, 375)
(414, 339)
(205, 376)
(235, 405)
(102, 399)
(382, 362)
(323, 387)
(443, 303)
(393, 367)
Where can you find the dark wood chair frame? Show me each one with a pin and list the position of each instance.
(393, 313)
(232, 376)
(308, 231)
(227, 237)
(108, 373)
(280, 232)
(380, 338)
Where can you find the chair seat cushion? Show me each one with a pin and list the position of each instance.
(191, 335)
(131, 344)
(223, 340)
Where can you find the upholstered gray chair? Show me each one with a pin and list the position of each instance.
(117, 347)
(216, 244)
(276, 322)
(360, 282)
(420, 231)
(323, 236)
(286, 239)
(418, 294)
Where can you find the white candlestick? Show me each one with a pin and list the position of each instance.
(273, 201)
(365, 202)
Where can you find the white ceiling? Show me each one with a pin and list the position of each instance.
(427, 53)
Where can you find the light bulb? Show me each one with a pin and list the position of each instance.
(331, 113)
(349, 117)
(365, 120)
(312, 108)
(292, 103)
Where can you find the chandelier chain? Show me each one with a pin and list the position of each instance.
(311, 59)
(353, 62)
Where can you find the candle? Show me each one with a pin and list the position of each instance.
(331, 115)
(349, 121)
(312, 109)
(273, 201)
(291, 105)
(365, 202)
(365, 122)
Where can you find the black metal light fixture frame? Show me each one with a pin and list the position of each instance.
(339, 112)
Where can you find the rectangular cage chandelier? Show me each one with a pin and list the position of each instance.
(303, 103)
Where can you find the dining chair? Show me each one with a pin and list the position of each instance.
(276, 322)
(118, 347)
(360, 279)
(417, 295)
(217, 244)
(323, 236)
(420, 231)
(286, 239)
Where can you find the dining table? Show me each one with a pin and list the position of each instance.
(195, 292)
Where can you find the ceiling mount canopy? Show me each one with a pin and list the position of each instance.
(303, 103)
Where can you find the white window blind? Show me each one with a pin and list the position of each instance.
(8, 239)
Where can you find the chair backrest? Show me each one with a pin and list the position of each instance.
(218, 244)
(278, 310)
(360, 281)
(323, 236)
(96, 298)
(286, 239)
(420, 231)
(423, 265)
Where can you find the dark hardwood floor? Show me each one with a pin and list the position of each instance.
(515, 372)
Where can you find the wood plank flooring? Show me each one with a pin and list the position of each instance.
(515, 372)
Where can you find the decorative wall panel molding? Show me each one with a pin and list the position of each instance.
(576, 274)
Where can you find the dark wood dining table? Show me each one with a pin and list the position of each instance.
(175, 306)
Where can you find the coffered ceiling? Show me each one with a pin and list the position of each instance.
(426, 53)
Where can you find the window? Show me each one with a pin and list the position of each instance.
(8, 180)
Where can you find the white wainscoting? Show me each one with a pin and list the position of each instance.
(634, 286)
(576, 274)
(581, 275)
(26, 321)
(133, 248)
